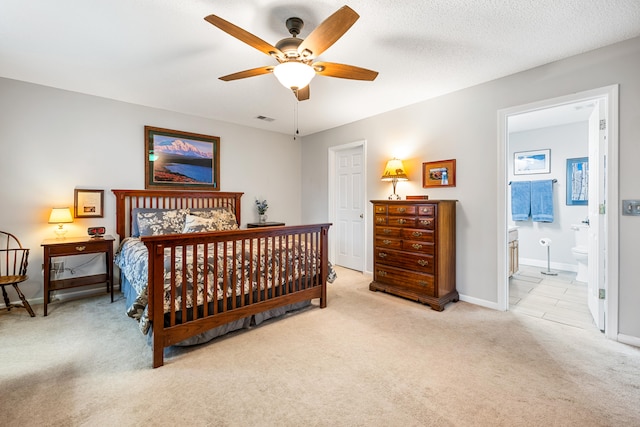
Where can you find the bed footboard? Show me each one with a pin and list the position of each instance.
(203, 280)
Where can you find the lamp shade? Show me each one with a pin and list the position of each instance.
(294, 74)
(60, 215)
(394, 170)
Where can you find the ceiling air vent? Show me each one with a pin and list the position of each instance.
(265, 118)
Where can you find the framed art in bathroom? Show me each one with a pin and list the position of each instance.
(439, 174)
(578, 181)
(531, 162)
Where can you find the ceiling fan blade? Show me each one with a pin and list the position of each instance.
(245, 36)
(302, 94)
(328, 32)
(331, 69)
(248, 73)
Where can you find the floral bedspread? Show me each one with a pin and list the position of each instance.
(132, 258)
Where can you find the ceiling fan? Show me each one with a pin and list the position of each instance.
(296, 56)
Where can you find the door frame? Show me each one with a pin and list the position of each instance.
(610, 93)
(332, 155)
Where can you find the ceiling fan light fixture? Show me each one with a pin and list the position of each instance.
(294, 74)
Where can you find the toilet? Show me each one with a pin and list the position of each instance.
(581, 251)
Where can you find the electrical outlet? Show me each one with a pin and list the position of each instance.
(57, 269)
(631, 207)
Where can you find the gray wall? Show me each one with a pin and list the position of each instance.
(54, 141)
(463, 125)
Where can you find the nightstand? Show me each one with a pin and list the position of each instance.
(264, 224)
(77, 246)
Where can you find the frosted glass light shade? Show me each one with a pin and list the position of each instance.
(294, 75)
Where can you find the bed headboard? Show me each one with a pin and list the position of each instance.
(127, 200)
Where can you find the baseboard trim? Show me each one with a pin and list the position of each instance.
(628, 339)
(481, 302)
(553, 265)
(65, 295)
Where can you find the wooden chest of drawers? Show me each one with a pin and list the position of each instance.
(414, 250)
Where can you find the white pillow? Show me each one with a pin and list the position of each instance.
(197, 224)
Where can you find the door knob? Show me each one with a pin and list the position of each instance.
(361, 216)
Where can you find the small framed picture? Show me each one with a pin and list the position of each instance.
(531, 162)
(181, 160)
(439, 174)
(578, 181)
(88, 203)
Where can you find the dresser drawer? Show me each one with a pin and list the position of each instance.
(388, 232)
(412, 261)
(416, 246)
(402, 221)
(417, 234)
(426, 222)
(421, 283)
(427, 210)
(380, 209)
(402, 210)
(380, 219)
(383, 242)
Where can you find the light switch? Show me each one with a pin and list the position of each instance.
(631, 207)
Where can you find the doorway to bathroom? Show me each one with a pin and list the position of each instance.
(596, 110)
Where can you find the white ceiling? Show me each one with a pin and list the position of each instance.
(162, 53)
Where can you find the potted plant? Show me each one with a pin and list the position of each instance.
(262, 210)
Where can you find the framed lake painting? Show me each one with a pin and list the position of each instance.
(181, 160)
(531, 162)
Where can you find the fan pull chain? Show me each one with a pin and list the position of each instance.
(295, 120)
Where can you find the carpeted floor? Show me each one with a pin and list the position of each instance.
(368, 359)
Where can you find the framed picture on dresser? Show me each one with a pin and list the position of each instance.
(439, 174)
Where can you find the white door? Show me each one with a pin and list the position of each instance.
(597, 204)
(349, 200)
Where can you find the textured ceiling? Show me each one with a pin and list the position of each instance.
(162, 53)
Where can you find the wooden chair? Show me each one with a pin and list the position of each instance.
(13, 269)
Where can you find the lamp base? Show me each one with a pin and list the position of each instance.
(394, 197)
(60, 232)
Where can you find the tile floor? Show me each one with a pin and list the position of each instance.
(558, 298)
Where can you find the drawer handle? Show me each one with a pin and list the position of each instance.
(386, 231)
(416, 233)
(416, 246)
(402, 221)
(425, 221)
(422, 283)
(379, 209)
(80, 248)
(402, 210)
(379, 219)
(382, 273)
(386, 242)
(423, 262)
(382, 255)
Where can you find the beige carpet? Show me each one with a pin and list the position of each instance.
(368, 359)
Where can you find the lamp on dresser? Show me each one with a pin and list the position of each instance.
(60, 216)
(394, 172)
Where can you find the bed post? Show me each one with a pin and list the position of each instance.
(156, 302)
(324, 268)
(120, 217)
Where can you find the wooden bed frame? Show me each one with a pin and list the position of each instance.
(172, 327)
